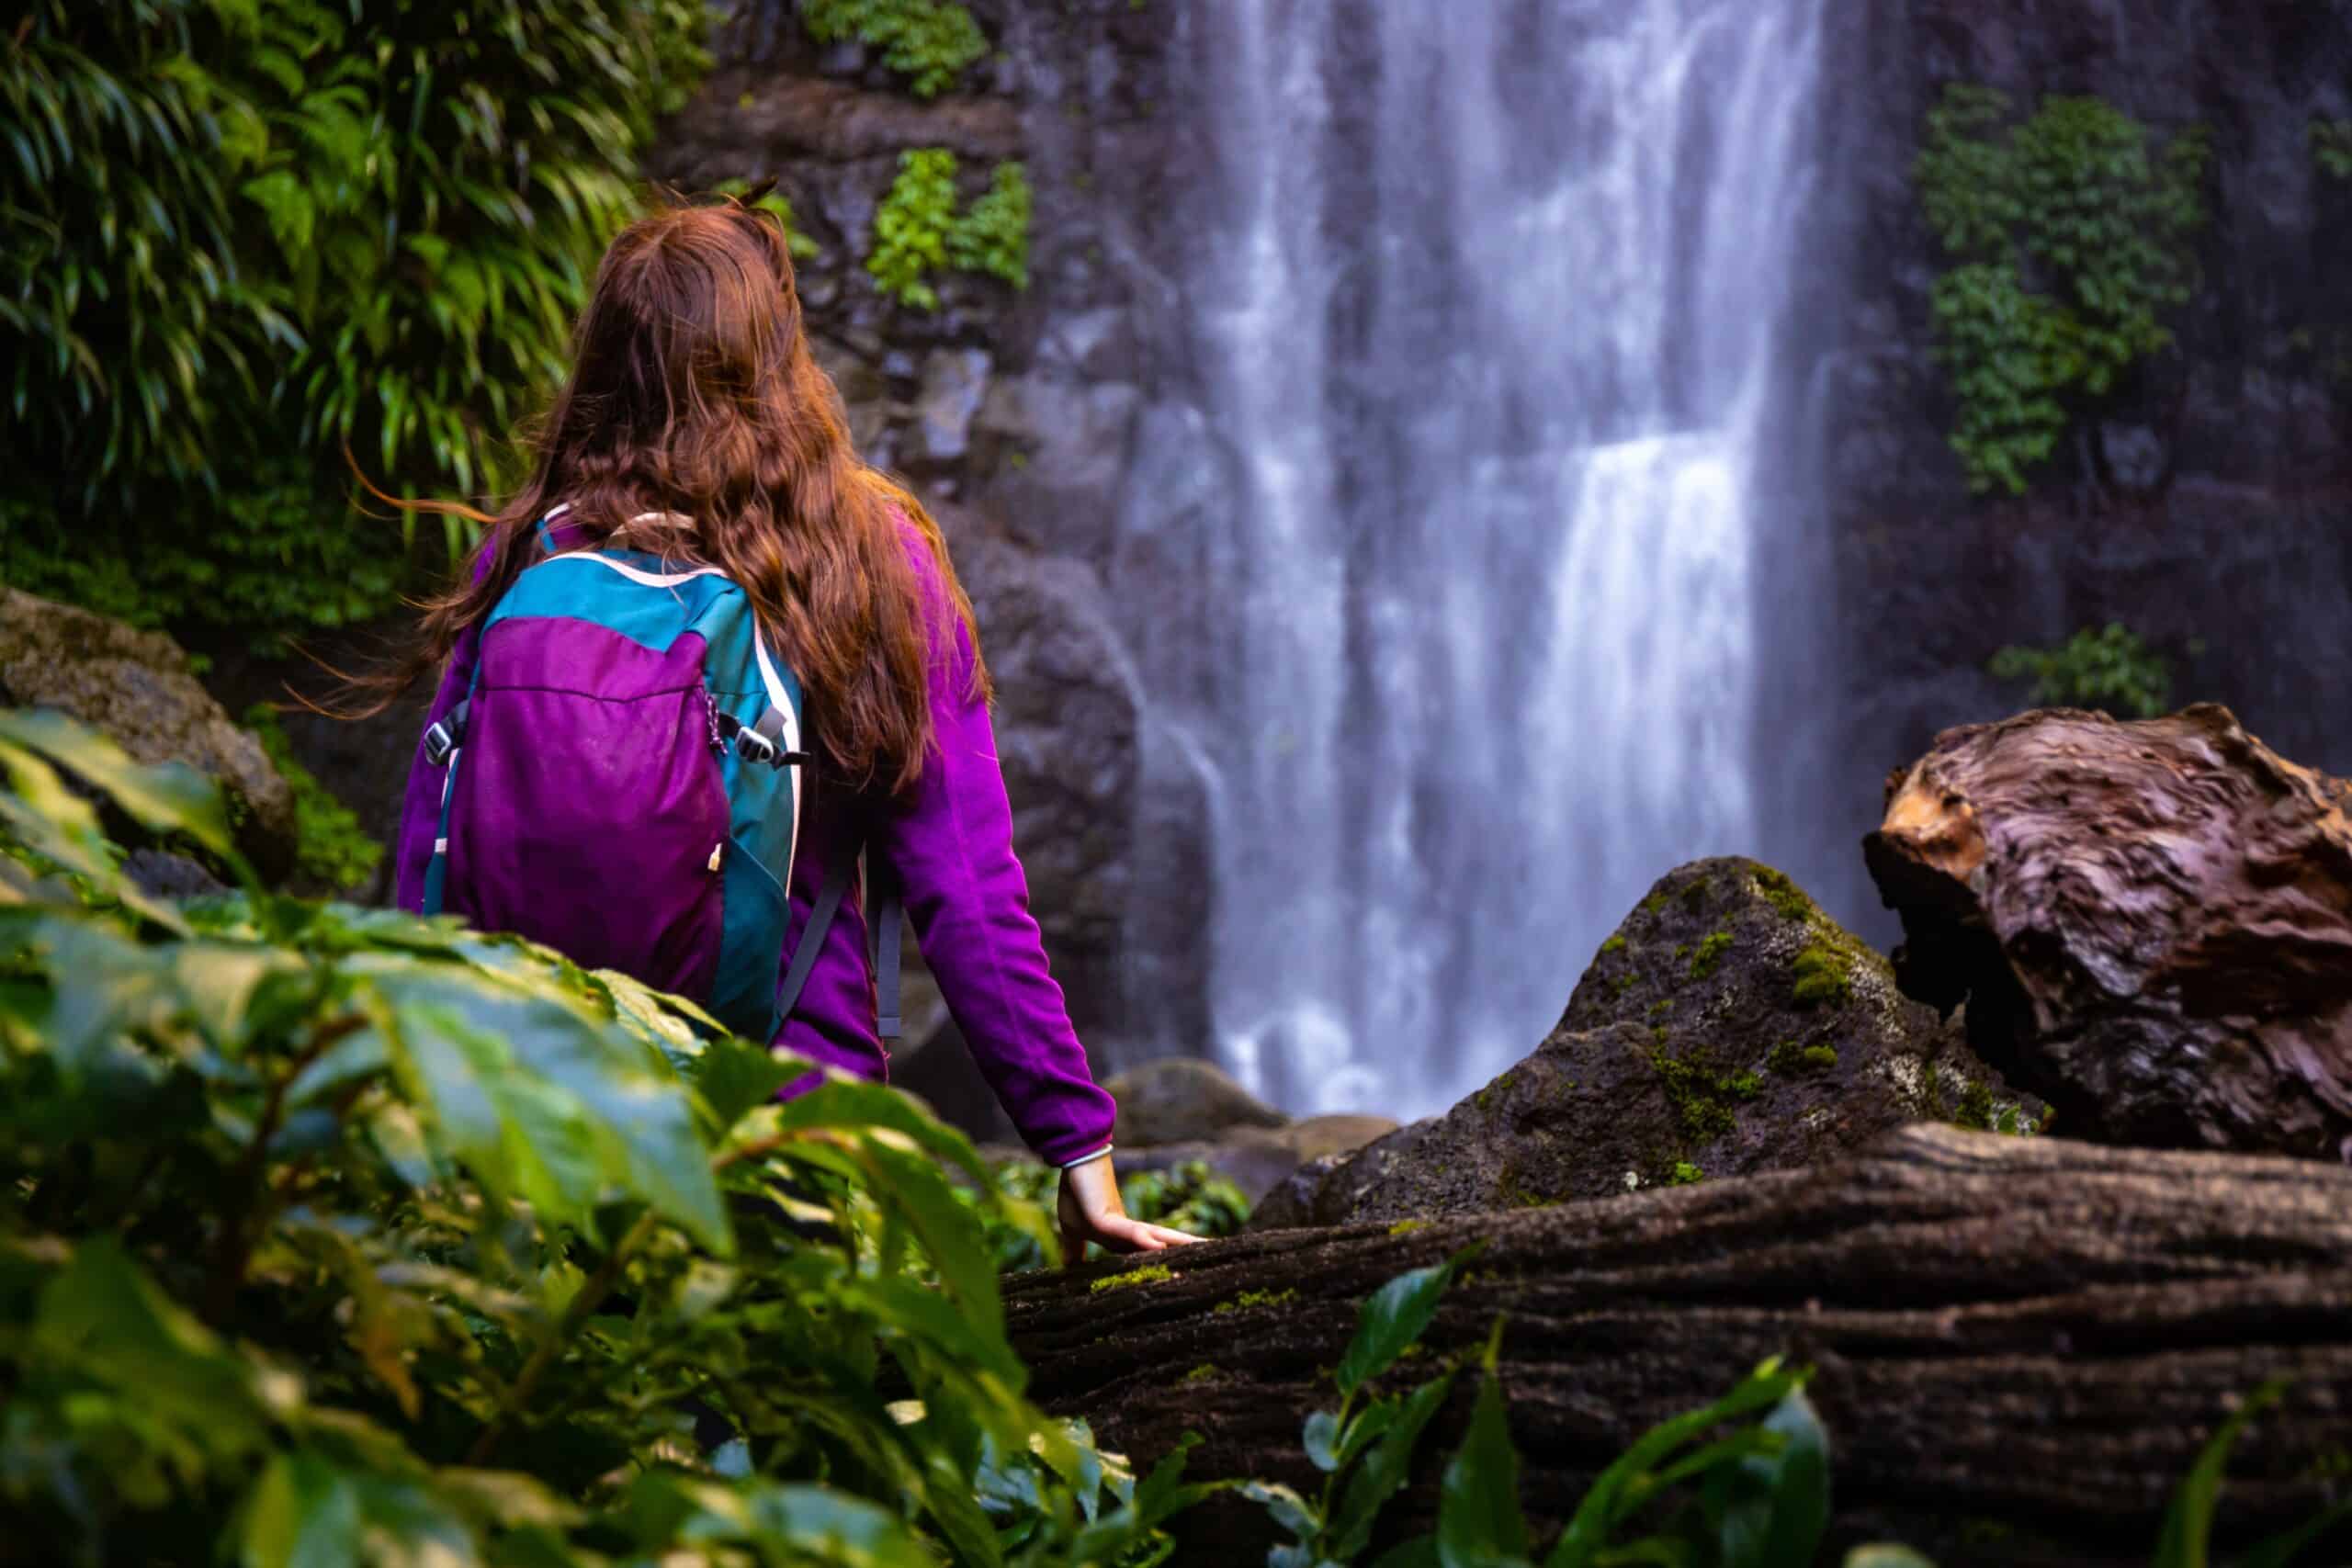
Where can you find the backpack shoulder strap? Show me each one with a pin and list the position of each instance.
(887, 906)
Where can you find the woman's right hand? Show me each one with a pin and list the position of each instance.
(1088, 1209)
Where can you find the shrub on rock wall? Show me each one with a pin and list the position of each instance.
(243, 233)
(2071, 237)
(918, 231)
(2108, 668)
(927, 42)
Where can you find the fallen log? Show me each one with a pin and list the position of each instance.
(2019, 1344)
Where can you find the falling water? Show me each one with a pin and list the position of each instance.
(1485, 328)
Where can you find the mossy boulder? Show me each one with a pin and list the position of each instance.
(138, 688)
(1728, 1026)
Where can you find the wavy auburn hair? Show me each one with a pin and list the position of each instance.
(693, 393)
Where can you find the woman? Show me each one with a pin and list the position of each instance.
(696, 425)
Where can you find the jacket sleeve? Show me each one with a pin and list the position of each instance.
(950, 839)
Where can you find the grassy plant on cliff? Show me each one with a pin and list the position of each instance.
(2071, 236)
(2108, 668)
(929, 43)
(333, 1235)
(240, 233)
(918, 232)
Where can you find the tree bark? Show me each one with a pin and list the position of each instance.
(2019, 1344)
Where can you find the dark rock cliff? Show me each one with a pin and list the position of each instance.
(2237, 568)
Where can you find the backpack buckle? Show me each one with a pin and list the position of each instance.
(762, 742)
(443, 738)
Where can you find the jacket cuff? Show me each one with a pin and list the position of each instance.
(1102, 1152)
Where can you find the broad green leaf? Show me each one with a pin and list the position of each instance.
(734, 1076)
(1288, 1509)
(303, 1513)
(101, 1318)
(171, 798)
(1780, 1504)
(2186, 1539)
(544, 1101)
(799, 1524)
(1615, 1493)
(1384, 1469)
(1394, 1316)
(1322, 1440)
(1479, 1524)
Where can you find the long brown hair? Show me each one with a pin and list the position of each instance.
(693, 393)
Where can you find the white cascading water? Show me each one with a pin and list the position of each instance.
(1483, 331)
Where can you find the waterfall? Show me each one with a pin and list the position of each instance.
(1482, 321)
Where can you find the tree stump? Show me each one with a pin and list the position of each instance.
(2150, 923)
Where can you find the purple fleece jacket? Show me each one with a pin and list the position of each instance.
(950, 839)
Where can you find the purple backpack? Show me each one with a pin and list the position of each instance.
(624, 786)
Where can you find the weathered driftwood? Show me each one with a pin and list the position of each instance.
(2020, 1343)
(2151, 924)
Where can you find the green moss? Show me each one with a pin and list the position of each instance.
(1975, 1106)
(1784, 895)
(1255, 1299)
(1743, 1085)
(1790, 1060)
(1696, 1090)
(1620, 983)
(1149, 1274)
(1615, 944)
(1486, 1097)
(1694, 894)
(1201, 1374)
(1406, 1227)
(1712, 949)
(1654, 902)
(1661, 1006)
(1682, 951)
(1822, 973)
(1685, 1174)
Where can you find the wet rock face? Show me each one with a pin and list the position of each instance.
(136, 687)
(2151, 924)
(1727, 1027)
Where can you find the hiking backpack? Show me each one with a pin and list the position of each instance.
(624, 786)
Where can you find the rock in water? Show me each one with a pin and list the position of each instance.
(137, 687)
(2151, 924)
(1184, 1100)
(1729, 1027)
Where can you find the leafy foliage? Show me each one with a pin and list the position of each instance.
(2071, 235)
(1364, 1447)
(243, 233)
(331, 848)
(1191, 1198)
(330, 1233)
(2109, 667)
(918, 231)
(928, 41)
